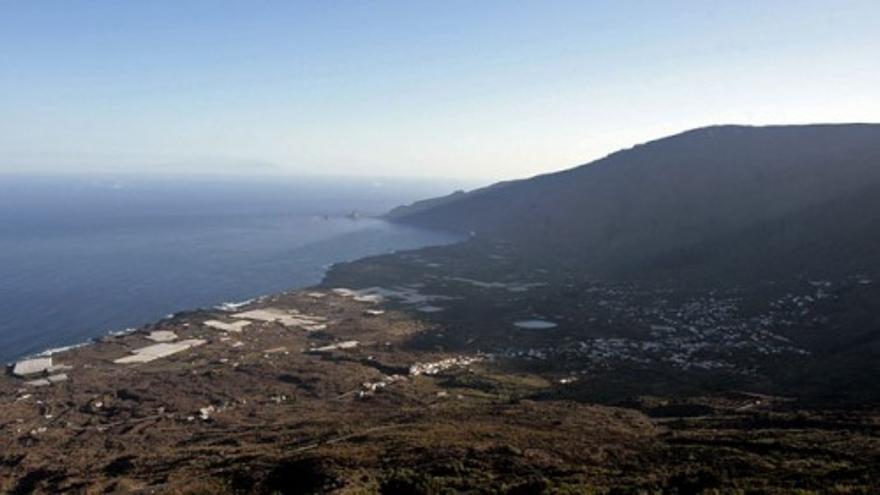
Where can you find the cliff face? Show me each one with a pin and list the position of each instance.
(693, 201)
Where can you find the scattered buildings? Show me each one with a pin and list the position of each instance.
(50, 373)
(698, 332)
(288, 318)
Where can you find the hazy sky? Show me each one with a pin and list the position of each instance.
(480, 89)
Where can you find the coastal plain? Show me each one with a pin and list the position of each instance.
(415, 373)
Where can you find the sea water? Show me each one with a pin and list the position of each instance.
(84, 256)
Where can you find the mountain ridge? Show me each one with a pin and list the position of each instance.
(667, 194)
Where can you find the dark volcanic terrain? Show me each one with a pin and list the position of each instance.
(703, 321)
(635, 388)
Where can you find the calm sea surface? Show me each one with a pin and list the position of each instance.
(80, 257)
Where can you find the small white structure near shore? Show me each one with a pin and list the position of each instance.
(32, 366)
(154, 352)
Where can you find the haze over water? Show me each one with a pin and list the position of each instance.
(80, 257)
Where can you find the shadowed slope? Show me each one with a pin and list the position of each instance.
(676, 193)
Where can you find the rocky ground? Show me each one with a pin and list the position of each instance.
(426, 372)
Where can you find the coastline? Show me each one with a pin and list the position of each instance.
(326, 269)
(412, 357)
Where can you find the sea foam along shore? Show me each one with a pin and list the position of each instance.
(225, 306)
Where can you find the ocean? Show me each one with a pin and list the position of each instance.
(84, 256)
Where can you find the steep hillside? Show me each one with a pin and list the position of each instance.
(710, 195)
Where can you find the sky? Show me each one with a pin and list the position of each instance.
(482, 90)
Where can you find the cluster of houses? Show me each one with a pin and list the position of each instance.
(371, 387)
(608, 325)
(434, 367)
(428, 368)
(701, 332)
